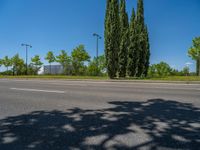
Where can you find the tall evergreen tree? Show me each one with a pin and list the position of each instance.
(124, 39)
(141, 44)
(147, 52)
(107, 29)
(112, 37)
(132, 49)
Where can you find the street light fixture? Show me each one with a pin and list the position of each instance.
(27, 46)
(97, 48)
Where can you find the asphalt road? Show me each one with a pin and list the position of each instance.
(61, 115)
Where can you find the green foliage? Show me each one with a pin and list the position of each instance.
(79, 57)
(7, 73)
(1, 62)
(6, 62)
(93, 70)
(175, 72)
(36, 64)
(18, 65)
(124, 39)
(50, 58)
(141, 39)
(194, 53)
(107, 29)
(65, 61)
(159, 70)
(112, 37)
(127, 47)
(139, 47)
(186, 71)
(146, 53)
(102, 64)
(132, 49)
(164, 70)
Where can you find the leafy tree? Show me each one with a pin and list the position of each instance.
(1, 62)
(6, 62)
(163, 69)
(132, 64)
(37, 64)
(152, 72)
(112, 37)
(64, 60)
(159, 70)
(175, 72)
(19, 67)
(124, 39)
(102, 64)
(194, 53)
(50, 58)
(94, 70)
(32, 69)
(79, 57)
(186, 71)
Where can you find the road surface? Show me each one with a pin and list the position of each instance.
(61, 115)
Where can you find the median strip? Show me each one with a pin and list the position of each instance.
(36, 90)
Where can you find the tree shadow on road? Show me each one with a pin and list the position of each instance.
(154, 124)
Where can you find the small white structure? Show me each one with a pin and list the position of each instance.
(53, 69)
(41, 71)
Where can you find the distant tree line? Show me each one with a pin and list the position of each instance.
(127, 47)
(163, 69)
(79, 63)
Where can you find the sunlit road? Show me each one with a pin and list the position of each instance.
(56, 114)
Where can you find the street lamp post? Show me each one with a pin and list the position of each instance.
(27, 46)
(97, 48)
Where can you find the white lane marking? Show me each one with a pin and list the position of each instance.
(36, 90)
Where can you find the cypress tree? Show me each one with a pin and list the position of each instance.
(132, 49)
(107, 28)
(112, 37)
(124, 39)
(141, 44)
(147, 52)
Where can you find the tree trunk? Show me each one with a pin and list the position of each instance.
(13, 71)
(198, 67)
(50, 68)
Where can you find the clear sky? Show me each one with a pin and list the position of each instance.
(64, 24)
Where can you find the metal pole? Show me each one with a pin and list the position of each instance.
(26, 59)
(97, 49)
(97, 53)
(26, 45)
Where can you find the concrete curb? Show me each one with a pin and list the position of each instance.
(109, 80)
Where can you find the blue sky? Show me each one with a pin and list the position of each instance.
(64, 24)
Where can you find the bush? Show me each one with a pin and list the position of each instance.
(159, 70)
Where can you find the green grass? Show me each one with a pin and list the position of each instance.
(178, 78)
(54, 77)
(170, 78)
